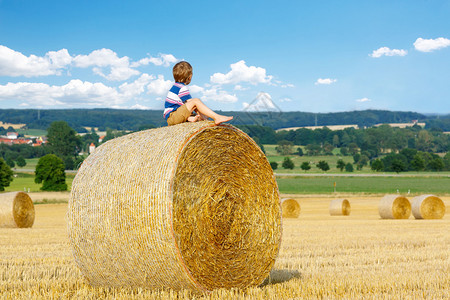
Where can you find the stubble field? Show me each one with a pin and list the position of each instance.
(354, 257)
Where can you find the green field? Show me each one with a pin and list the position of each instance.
(32, 132)
(362, 184)
(25, 181)
(31, 163)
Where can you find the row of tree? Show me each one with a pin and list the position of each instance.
(133, 119)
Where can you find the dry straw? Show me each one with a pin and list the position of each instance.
(290, 207)
(16, 210)
(428, 207)
(340, 207)
(394, 207)
(191, 206)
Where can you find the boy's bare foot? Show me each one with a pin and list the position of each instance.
(193, 118)
(220, 119)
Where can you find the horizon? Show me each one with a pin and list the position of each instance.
(323, 57)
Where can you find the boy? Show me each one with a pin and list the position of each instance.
(179, 103)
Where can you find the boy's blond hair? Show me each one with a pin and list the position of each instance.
(182, 71)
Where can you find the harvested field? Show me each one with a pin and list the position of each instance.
(361, 256)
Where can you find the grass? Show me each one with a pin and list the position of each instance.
(25, 182)
(32, 132)
(31, 163)
(273, 156)
(321, 257)
(360, 184)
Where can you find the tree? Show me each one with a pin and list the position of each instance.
(6, 175)
(299, 151)
(417, 163)
(349, 167)
(437, 164)
(305, 166)
(398, 165)
(356, 157)
(50, 171)
(323, 165)
(288, 163)
(340, 164)
(21, 162)
(285, 147)
(313, 149)
(10, 162)
(274, 165)
(62, 140)
(377, 165)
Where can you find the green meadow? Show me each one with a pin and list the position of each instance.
(25, 182)
(364, 184)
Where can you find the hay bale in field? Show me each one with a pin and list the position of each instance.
(16, 210)
(290, 208)
(340, 207)
(428, 207)
(191, 206)
(394, 207)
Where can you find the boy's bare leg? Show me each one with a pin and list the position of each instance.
(197, 104)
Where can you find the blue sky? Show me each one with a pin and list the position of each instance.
(314, 56)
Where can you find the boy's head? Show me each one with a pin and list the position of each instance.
(182, 72)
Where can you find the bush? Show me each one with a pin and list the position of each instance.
(323, 165)
(340, 164)
(288, 163)
(349, 167)
(305, 166)
(274, 165)
(21, 162)
(50, 171)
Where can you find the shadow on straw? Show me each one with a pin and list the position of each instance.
(280, 276)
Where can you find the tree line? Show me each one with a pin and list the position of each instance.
(133, 120)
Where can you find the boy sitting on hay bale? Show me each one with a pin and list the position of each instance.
(180, 105)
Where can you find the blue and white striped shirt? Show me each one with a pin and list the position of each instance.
(177, 95)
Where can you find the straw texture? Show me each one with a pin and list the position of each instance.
(394, 207)
(191, 206)
(290, 207)
(428, 207)
(16, 210)
(340, 207)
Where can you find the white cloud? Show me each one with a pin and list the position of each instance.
(287, 85)
(428, 45)
(14, 63)
(195, 89)
(139, 106)
(262, 102)
(74, 93)
(363, 100)
(285, 99)
(325, 81)
(216, 94)
(159, 86)
(388, 52)
(136, 87)
(163, 60)
(240, 72)
(120, 66)
(239, 87)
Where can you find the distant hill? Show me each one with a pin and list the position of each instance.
(138, 119)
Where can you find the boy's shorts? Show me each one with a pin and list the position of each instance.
(179, 116)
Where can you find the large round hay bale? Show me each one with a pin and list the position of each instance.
(16, 210)
(290, 208)
(340, 207)
(192, 206)
(394, 207)
(428, 207)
